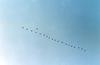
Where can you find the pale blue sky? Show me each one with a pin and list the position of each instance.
(67, 20)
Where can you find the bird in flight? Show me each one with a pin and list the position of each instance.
(36, 31)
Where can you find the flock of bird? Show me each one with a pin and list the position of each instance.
(53, 39)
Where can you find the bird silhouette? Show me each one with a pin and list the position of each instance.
(36, 30)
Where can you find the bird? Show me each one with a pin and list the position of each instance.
(74, 47)
(49, 37)
(71, 45)
(36, 28)
(81, 48)
(31, 30)
(35, 32)
(66, 44)
(46, 36)
(62, 42)
(52, 39)
(26, 28)
(78, 47)
(57, 41)
(22, 27)
(40, 33)
(43, 34)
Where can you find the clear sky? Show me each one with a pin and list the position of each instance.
(74, 21)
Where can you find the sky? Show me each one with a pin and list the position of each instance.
(73, 21)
